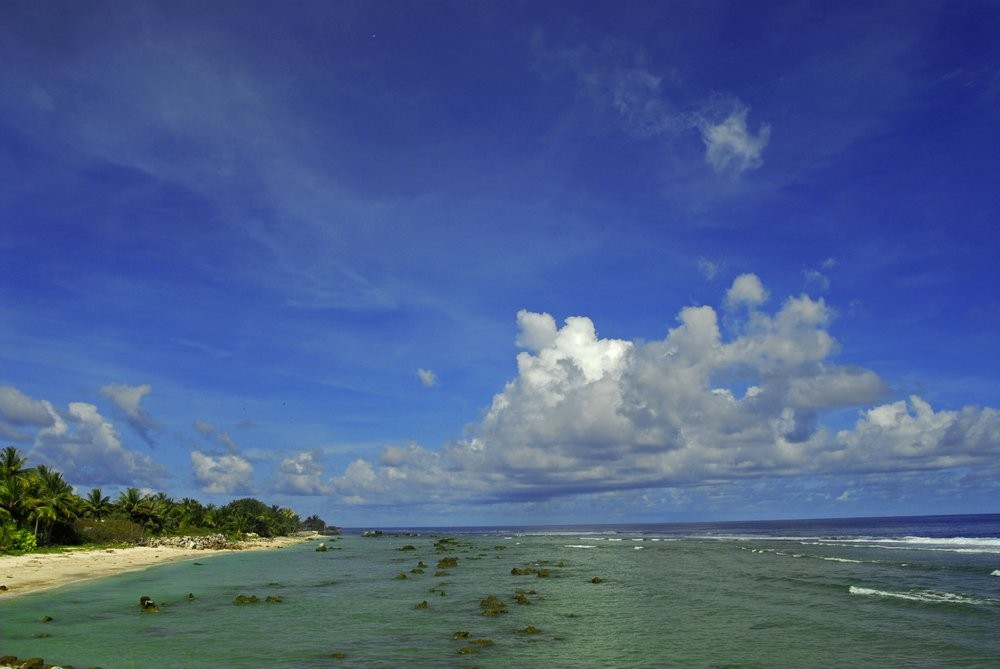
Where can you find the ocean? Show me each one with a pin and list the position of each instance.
(873, 592)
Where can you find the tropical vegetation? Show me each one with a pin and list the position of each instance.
(39, 508)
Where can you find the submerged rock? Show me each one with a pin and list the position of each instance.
(492, 606)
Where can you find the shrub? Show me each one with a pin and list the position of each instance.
(13, 540)
(109, 531)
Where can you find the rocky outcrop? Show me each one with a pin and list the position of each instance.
(206, 542)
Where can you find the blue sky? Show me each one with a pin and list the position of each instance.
(405, 263)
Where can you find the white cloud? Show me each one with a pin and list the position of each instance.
(126, 400)
(708, 268)
(911, 435)
(729, 144)
(300, 474)
(427, 377)
(816, 279)
(216, 436)
(650, 104)
(86, 447)
(587, 414)
(222, 474)
(16, 408)
(746, 289)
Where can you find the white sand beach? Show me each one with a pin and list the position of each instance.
(24, 574)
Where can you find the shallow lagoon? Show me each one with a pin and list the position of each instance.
(777, 597)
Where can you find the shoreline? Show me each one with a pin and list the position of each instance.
(38, 572)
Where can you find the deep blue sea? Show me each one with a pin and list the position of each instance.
(873, 592)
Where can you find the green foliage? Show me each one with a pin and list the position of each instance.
(313, 523)
(13, 540)
(109, 531)
(37, 502)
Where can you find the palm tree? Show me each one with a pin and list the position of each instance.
(15, 500)
(56, 502)
(129, 503)
(96, 505)
(11, 463)
(158, 511)
(191, 513)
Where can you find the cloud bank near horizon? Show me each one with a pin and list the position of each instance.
(591, 415)
(740, 395)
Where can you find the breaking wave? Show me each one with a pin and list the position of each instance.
(929, 597)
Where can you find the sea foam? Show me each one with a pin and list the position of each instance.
(926, 596)
(949, 544)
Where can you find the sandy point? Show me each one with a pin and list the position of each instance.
(35, 572)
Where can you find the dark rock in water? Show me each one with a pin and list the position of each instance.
(47, 619)
(190, 596)
(597, 579)
(422, 605)
(461, 635)
(492, 606)
(447, 563)
(243, 599)
(530, 629)
(274, 599)
(407, 547)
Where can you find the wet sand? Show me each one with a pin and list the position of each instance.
(25, 574)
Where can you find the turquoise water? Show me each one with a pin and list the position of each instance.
(705, 596)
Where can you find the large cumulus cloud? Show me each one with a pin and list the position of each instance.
(587, 414)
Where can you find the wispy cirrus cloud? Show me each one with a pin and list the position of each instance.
(654, 103)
